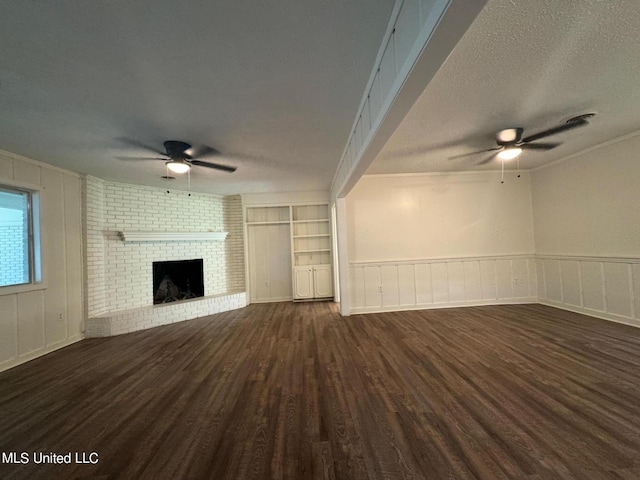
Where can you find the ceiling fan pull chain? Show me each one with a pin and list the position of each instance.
(502, 161)
(518, 159)
(189, 178)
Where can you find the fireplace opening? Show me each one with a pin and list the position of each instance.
(177, 280)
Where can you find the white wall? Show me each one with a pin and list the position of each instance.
(590, 204)
(421, 241)
(119, 274)
(401, 217)
(49, 316)
(587, 231)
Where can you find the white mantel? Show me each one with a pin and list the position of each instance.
(132, 236)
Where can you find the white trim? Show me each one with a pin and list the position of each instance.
(22, 288)
(39, 353)
(591, 313)
(586, 258)
(171, 236)
(375, 263)
(434, 306)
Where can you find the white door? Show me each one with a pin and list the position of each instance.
(303, 282)
(322, 281)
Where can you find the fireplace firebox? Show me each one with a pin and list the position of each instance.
(177, 280)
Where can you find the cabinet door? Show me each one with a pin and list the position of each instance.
(302, 282)
(322, 281)
(269, 262)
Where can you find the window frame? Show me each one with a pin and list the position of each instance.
(34, 235)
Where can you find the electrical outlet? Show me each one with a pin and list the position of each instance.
(380, 288)
(60, 316)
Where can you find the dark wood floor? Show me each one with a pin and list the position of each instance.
(295, 391)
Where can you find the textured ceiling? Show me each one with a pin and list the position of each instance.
(530, 64)
(274, 86)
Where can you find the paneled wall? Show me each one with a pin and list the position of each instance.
(603, 287)
(436, 240)
(49, 316)
(386, 286)
(587, 231)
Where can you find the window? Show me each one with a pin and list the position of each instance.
(19, 237)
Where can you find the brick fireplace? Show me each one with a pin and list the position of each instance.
(120, 279)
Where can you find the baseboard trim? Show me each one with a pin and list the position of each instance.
(14, 362)
(433, 306)
(273, 300)
(611, 317)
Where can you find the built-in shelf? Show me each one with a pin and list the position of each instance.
(171, 236)
(312, 251)
(311, 221)
(312, 236)
(269, 223)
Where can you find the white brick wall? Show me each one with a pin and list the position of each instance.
(120, 276)
(14, 268)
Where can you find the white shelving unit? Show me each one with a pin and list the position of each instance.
(311, 252)
(302, 234)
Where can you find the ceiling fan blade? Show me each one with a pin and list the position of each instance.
(216, 166)
(136, 143)
(554, 131)
(488, 159)
(475, 153)
(538, 146)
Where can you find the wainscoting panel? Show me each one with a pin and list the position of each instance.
(617, 286)
(571, 282)
(440, 283)
(636, 289)
(423, 285)
(604, 287)
(592, 286)
(488, 279)
(406, 285)
(372, 286)
(504, 279)
(390, 288)
(455, 272)
(472, 281)
(552, 279)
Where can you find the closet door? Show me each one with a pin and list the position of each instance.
(269, 262)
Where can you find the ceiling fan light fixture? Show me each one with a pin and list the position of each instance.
(509, 153)
(178, 166)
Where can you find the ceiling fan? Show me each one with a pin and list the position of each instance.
(511, 143)
(179, 156)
